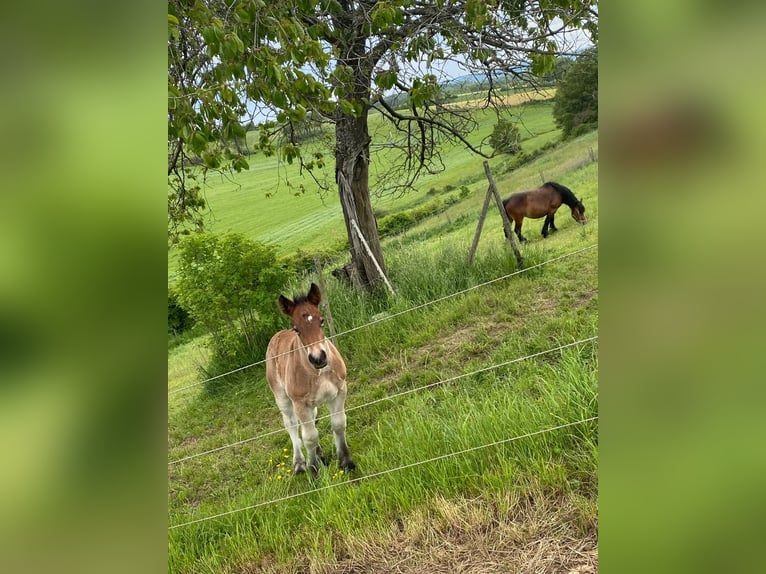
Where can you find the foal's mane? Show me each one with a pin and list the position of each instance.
(566, 194)
(298, 299)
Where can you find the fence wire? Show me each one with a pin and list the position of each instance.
(392, 316)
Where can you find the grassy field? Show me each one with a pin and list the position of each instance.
(259, 204)
(519, 504)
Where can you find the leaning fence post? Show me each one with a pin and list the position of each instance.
(504, 215)
(479, 227)
(369, 252)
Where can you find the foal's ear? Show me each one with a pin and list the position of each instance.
(285, 305)
(315, 295)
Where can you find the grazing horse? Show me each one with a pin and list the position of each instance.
(304, 371)
(543, 201)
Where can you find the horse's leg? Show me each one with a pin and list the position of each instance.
(309, 434)
(338, 422)
(517, 229)
(545, 225)
(320, 454)
(291, 426)
(551, 227)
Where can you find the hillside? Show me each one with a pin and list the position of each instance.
(456, 385)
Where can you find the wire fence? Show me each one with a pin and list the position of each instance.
(381, 473)
(388, 398)
(393, 315)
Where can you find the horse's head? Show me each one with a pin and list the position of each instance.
(307, 322)
(578, 212)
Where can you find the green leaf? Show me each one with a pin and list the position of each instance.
(386, 79)
(542, 63)
(347, 107)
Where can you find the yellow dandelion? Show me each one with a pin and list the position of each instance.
(284, 450)
(340, 471)
(279, 477)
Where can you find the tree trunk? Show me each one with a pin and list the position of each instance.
(352, 160)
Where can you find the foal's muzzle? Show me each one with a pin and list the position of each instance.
(319, 360)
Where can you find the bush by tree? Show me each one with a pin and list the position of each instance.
(230, 284)
(505, 137)
(575, 106)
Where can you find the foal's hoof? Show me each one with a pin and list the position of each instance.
(348, 466)
(299, 468)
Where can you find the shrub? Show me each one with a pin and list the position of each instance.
(505, 137)
(230, 284)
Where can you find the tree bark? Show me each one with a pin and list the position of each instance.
(352, 161)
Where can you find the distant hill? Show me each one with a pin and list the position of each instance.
(476, 78)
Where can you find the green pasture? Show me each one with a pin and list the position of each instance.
(267, 203)
(340, 522)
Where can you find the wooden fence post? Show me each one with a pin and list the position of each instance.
(479, 227)
(506, 222)
(369, 252)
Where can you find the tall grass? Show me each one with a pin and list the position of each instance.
(496, 323)
(529, 312)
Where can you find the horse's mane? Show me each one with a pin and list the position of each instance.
(566, 194)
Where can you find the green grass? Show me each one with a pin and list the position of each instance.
(527, 313)
(259, 204)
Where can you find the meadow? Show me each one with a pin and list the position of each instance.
(267, 203)
(454, 383)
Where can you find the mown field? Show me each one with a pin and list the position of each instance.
(448, 415)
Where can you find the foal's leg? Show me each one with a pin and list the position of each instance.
(338, 422)
(310, 435)
(291, 426)
(320, 454)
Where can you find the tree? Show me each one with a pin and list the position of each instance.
(575, 106)
(505, 137)
(337, 59)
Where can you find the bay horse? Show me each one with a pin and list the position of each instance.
(304, 371)
(543, 201)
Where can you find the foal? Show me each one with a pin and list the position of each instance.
(305, 370)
